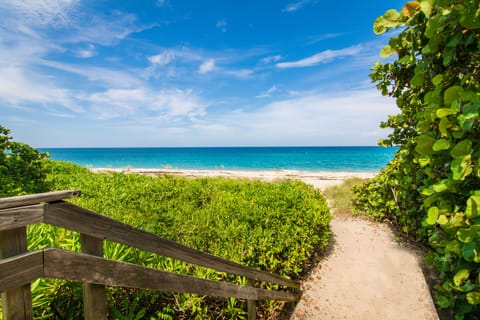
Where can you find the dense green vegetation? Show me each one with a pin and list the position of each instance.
(21, 170)
(432, 187)
(276, 227)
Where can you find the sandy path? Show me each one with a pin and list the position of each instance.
(367, 275)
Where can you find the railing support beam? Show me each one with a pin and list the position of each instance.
(94, 295)
(16, 302)
(251, 304)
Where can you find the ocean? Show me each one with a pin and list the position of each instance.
(355, 159)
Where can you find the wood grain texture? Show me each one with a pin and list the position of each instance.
(22, 216)
(72, 217)
(21, 269)
(81, 267)
(94, 295)
(16, 302)
(20, 201)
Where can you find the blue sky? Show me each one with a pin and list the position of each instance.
(77, 73)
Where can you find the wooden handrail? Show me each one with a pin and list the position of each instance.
(70, 216)
(18, 269)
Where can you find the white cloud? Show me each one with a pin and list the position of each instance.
(343, 118)
(321, 57)
(86, 52)
(207, 66)
(268, 93)
(222, 25)
(165, 104)
(294, 6)
(162, 58)
(271, 59)
(41, 12)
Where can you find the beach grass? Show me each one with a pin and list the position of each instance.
(340, 196)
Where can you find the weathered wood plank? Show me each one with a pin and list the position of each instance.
(21, 269)
(27, 200)
(72, 217)
(16, 302)
(251, 304)
(19, 217)
(80, 267)
(94, 295)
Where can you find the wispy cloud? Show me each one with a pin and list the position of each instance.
(271, 59)
(268, 93)
(41, 12)
(321, 57)
(166, 104)
(207, 66)
(222, 25)
(294, 6)
(85, 52)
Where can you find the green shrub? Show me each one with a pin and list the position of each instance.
(275, 227)
(21, 170)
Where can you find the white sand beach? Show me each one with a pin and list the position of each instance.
(319, 179)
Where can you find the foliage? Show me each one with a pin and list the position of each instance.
(21, 170)
(275, 227)
(432, 187)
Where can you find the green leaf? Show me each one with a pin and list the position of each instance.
(462, 149)
(443, 126)
(432, 215)
(437, 79)
(440, 145)
(426, 7)
(441, 186)
(467, 235)
(387, 51)
(452, 94)
(470, 251)
(461, 168)
(443, 112)
(417, 79)
(473, 205)
(424, 144)
(473, 297)
(461, 276)
(442, 219)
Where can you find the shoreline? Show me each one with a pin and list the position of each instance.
(319, 179)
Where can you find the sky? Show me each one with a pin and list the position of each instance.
(177, 73)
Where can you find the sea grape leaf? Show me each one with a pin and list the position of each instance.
(466, 235)
(470, 251)
(437, 79)
(462, 149)
(443, 112)
(473, 297)
(432, 215)
(461, 168)
(424, 144)
(452, 94)
(426, 7)
(473, 206)
(441, 144)
(387, 51)
(461, 276)
(440, 186)
(442, 219)
(410, 8)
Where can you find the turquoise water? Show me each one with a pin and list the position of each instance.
(366, 159)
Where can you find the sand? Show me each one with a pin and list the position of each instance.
(366, 274)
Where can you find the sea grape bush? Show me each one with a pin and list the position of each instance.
(276, 227)
(432, 187)
(21, 170)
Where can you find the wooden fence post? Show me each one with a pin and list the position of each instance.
(94, 295)
(17, 302)
(251, 304)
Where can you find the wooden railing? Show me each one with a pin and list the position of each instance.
(19, 267)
